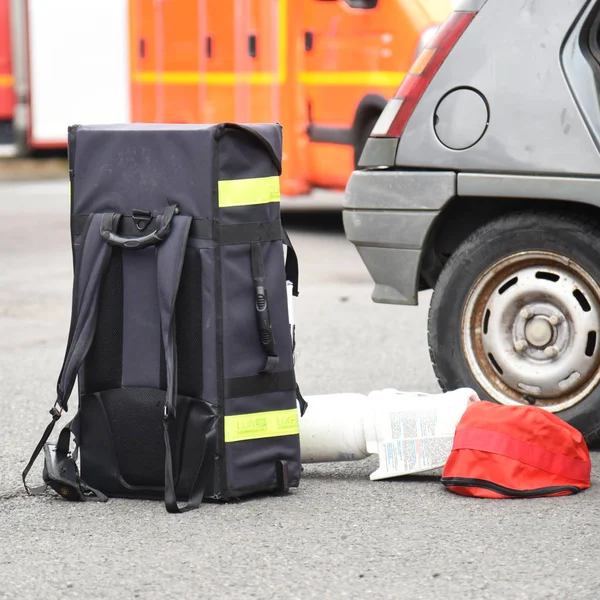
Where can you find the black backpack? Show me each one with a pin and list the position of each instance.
(180, 336)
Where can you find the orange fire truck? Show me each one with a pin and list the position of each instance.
(323, 68)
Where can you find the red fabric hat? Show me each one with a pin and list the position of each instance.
(516, 452)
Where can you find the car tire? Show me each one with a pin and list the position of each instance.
(495, 316)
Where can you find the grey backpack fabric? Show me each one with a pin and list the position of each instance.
(180, 337)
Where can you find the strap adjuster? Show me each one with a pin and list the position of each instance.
(56, 411)
(141, 218)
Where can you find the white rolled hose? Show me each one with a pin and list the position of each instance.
(411, 432)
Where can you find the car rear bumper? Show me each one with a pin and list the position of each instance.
(387, 216)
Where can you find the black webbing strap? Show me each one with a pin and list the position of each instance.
(247, 233)
(94, 262)
(74, 309)
(170, 257)
(301, 401)
(254, 385)
(292, 272)
(56, 413)
(203, 229)
(134, 226)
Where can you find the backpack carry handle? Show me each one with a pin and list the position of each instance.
(263, 314)
(139, 243)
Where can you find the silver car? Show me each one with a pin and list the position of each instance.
(481, 181)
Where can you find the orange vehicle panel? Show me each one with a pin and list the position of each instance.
(6, 80)
(250, 61)
(315, 66)
(178, 51)
(293, 107)
(143, 61)
(218, 94)
(356, 53)
(266, 64)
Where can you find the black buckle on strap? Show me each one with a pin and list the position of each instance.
(56, 411)
(141, 218)
(60, 473)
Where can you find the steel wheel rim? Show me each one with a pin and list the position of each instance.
(530, 331)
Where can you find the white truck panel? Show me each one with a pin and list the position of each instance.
(79, 66)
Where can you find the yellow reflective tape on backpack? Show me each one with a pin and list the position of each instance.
(255, 426)
(246, 192)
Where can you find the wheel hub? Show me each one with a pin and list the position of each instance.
(531, 331)
(538, 331)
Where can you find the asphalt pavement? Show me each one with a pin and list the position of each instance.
(338, 536)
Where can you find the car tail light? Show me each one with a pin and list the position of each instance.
(399, 109)
(425, 38)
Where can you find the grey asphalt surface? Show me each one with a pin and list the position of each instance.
(338, 536)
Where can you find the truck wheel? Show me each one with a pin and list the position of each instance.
(515, 315)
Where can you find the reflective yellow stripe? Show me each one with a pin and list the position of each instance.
(332, 78)
(195, 77)
(255, 426)
(276, 76)
(6, 80)
(244, 192)
(377, 78)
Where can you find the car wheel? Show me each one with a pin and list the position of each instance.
(515, 314)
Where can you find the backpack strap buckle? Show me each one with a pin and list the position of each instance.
(56, 411)
(60, 473)
(141, 218)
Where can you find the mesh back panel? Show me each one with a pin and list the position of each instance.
(136, 422)
(104, 362)
(188, 323)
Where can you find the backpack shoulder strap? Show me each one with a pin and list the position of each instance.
(292, 275)
(170, 258)
(291, 263)
(95, 258)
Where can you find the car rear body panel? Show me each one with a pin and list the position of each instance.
(541, 143)
(390, 241)
(511, 55)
